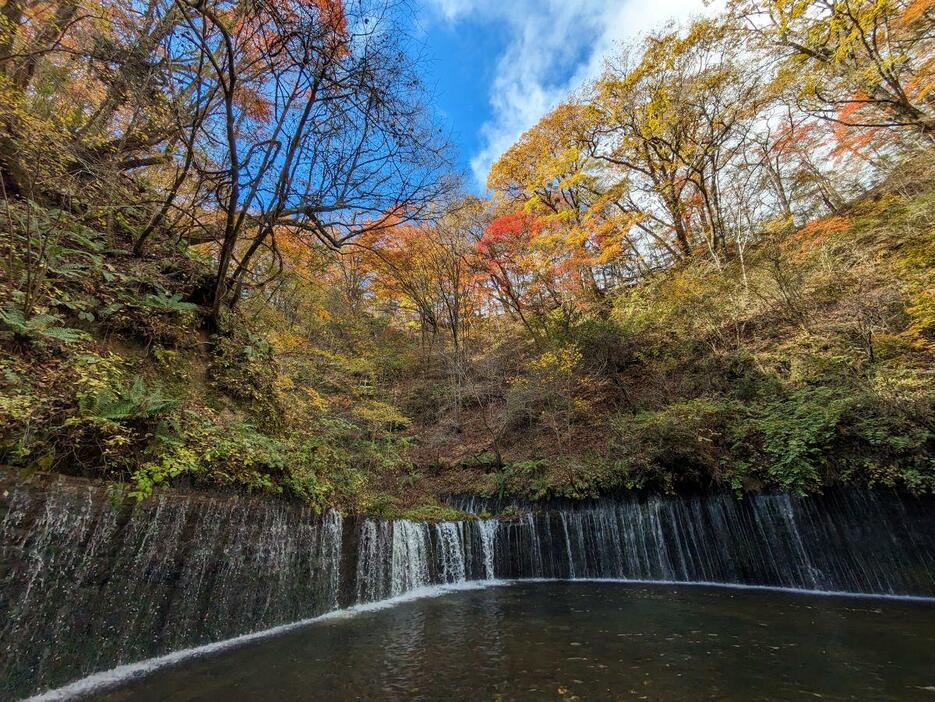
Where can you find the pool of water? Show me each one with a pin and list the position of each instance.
(578, 640)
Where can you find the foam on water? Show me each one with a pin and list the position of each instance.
(736, 586)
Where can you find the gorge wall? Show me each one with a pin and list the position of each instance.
(87, 584)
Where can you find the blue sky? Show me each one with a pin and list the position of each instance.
(494, 67)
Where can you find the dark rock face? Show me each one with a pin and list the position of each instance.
(86, 585)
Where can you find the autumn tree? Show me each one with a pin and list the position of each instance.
(860, 63)
(322, 128)
(237, 119)
(431, 271)
(92, 94)
(549, 174)
(670, 122)
(517, 273)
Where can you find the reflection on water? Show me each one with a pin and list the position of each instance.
(589, 641)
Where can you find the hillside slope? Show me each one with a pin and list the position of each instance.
(805, 362)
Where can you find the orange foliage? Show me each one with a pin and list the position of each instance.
(817, 232)
(254, 105)
(827, 225)
(332, 15)
(915, 11)
(507, 232)
(852, 138)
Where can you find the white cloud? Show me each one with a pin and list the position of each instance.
(550, 38)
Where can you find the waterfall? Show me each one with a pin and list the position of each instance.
(451, 553)
(329, 549)
(394, 557)
(571, 559)
(487, 529)
(372, 578)
(410, 557)
(86, 584)
(853, 541)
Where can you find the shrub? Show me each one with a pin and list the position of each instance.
(243, 367)
(114, 417)
(672, 446)
(553, 394)
(797, 435)
(40, 328)
(889, 433)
